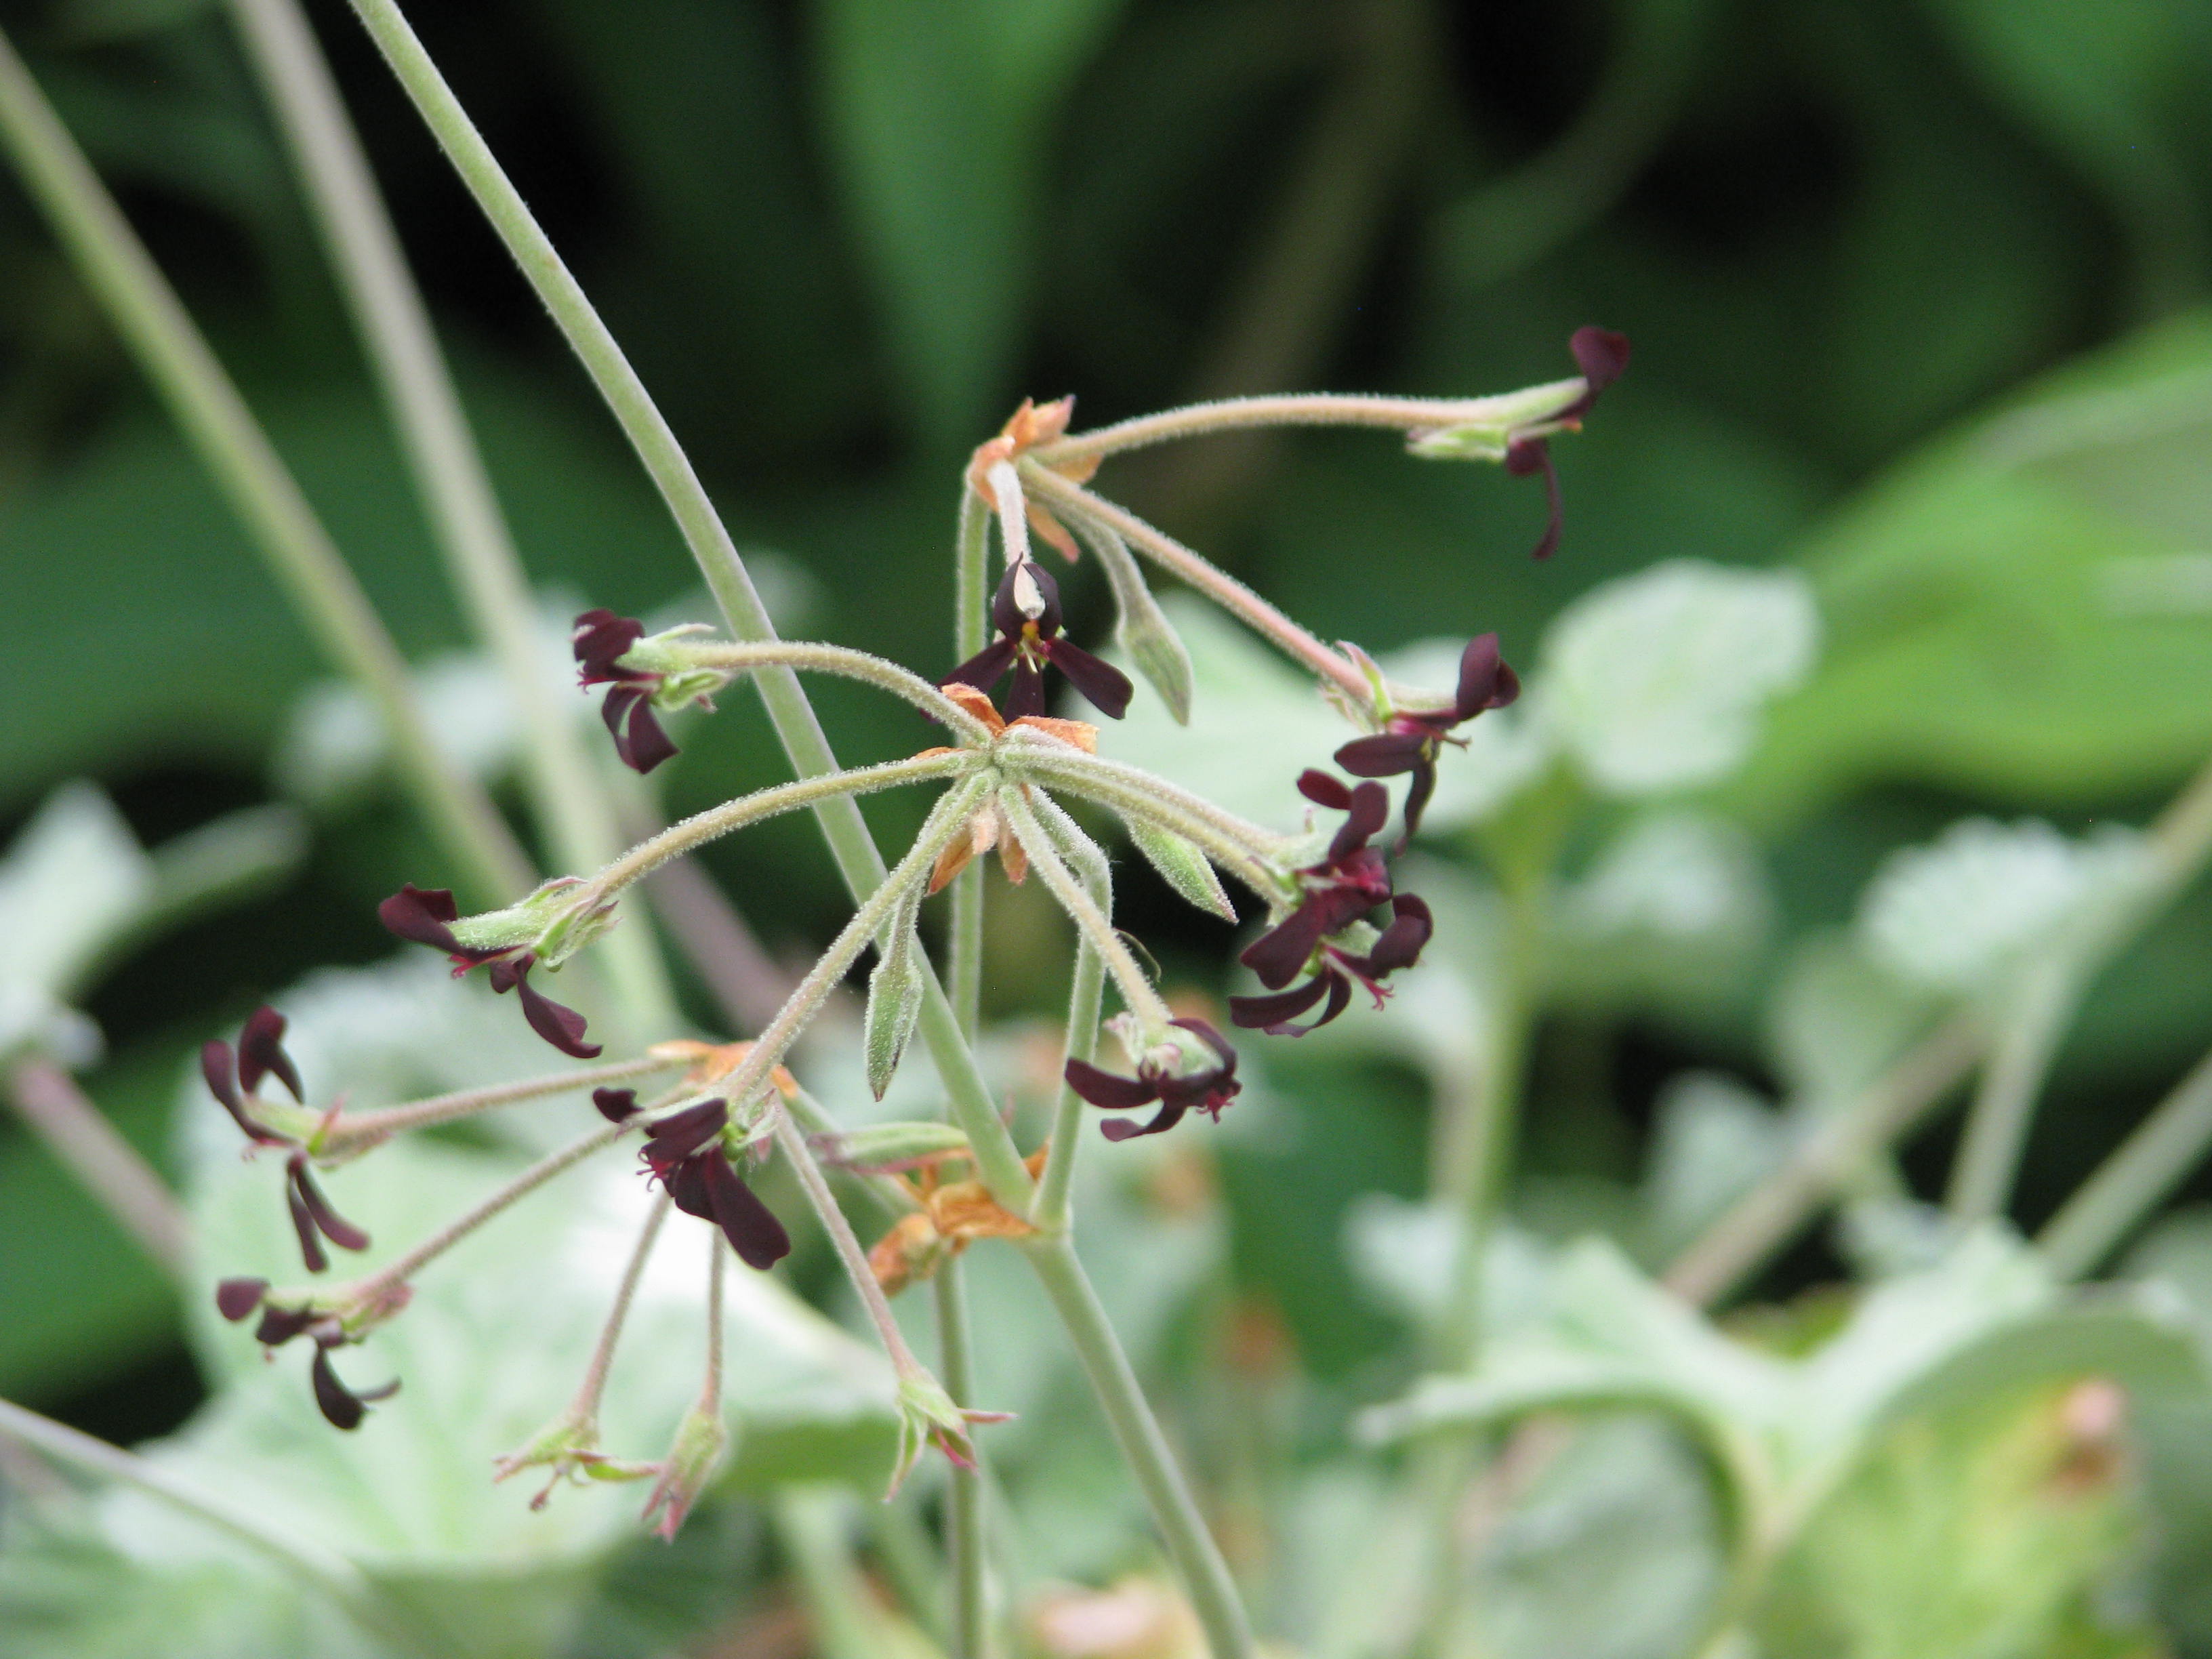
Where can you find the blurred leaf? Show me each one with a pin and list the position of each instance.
(74, 879)
(1837, 1017)
(943, 118)
(1713, 1140)
(1656, 682)
(1964, 912)
(2005, 1525)
(2002, 611)
(2176, 1435)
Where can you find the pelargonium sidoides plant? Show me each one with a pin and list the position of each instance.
(718, 1111)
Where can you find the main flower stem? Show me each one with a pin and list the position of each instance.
(215, 421)
(449, 472)
(1205, 1574)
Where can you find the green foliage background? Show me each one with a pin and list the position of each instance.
(1914, 288)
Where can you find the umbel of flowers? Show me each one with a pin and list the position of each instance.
(703, 1118)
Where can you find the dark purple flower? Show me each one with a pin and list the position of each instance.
(342, 1407)
(1026, 612)
(1601, 355)
(1348, 882)
(1208, 1090)
(600, 639)
(685, 1152)
(425, 915)
(1409, 741)
(231, 1078)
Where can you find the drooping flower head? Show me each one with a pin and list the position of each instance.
(1349, 881)
(1411, 738)
(601, 640)
(1160, 1077)
(507, 943)
(685, 1152)
(1026, 612)
(1601, 355)
(235, 1080)
(327, 1327)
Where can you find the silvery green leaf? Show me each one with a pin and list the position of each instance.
(1672, 913)
(1181, 865)
(1506, 749)
(1837, 1017)
(1264, 723)
(894, 992)
(1656, 681)
(72, 882)
(1143, 629)
(1713, 1141)
(488, 1352)
(1966, 910)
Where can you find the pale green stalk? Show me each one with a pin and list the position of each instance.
(1205, 1575)
(82, 1140)
(968, 1628)
(351, 1132)
(1409, 415)
(1052, 1212)
(449, 472)
(374, 1290)
(2034, 1021)
(283, 527)
(696, 831)
(850, 1253)
(1244, 849)
(345, 1584)
(1068, 500)
(998, 1161)
(2142, 1173)
(1090, 920)
(844, 660)
(889, 1193)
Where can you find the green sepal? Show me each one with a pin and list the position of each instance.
(889, 1146)
(1144, 629)
(895, 993)
(1182, 867)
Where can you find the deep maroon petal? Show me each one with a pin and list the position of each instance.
(986, 668)
(1601, 355)
(1411, 928)
(687, 1188)
(234, 1299)
(749, 1226)
(1115, 1093)
(1508, 689)
(615, 709)
(303, 1224)
(217, 1066)
(599, 639)
(676, 1137)
(1266, 1014)
(1338, 990)
(332, 1225)
(644, 744)
(261, 1051)
(339, 1404)
(1280, 955)
(1383, 756)
(421, 914)
(1478, 675)
(1121, 1128)
(1416, 800)
(1323, 790)
(1524, 456)
(1369, 811)
(1106, 686)
(559, 1024)
(1025, 696)
(615, 1105)
(280, 1325)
